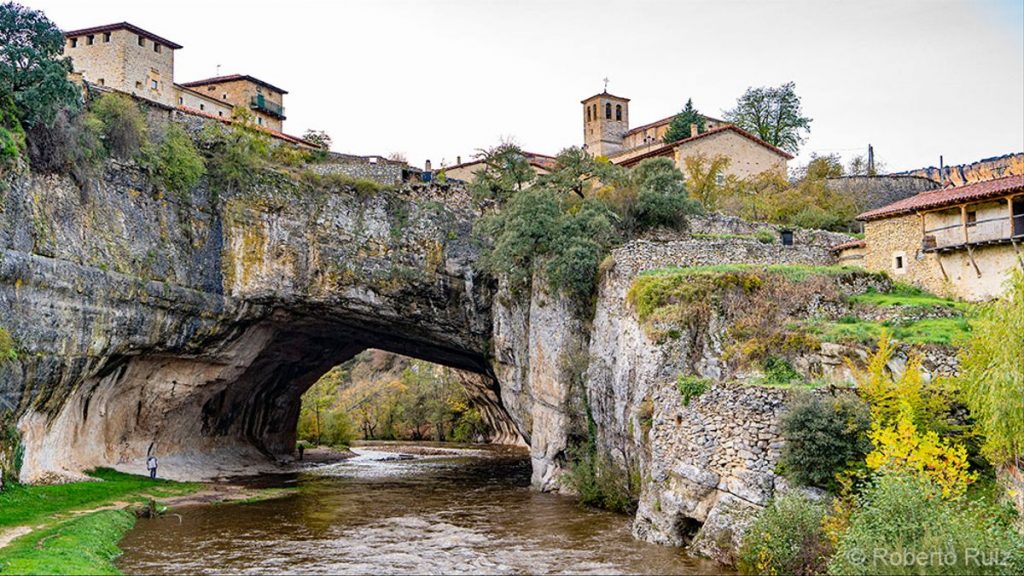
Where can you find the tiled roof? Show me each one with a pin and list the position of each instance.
(606, 95)
(123, 26)
(948, 197)
(274, 133)
(850, 244)
(233, 78)
(539, 160)
(664, 121)
(665, 148)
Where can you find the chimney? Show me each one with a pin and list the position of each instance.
(458, 160)
(693, 129)
(942, 173)
(871, 160)
(427, 166)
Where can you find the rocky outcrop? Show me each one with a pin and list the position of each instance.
(980, 171)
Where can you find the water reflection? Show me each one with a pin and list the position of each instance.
(458, 512)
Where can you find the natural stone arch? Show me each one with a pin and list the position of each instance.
(193, 325)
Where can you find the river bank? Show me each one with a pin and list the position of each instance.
(74, 527)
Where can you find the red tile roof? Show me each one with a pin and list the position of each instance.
(664, 121)
(850, 244)
(666, 148)
(123, 26)
(274, 133)
(233, 78)
(948, 197)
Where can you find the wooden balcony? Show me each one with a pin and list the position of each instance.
(968, 235)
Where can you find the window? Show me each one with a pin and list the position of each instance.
(202, 106)
(608, 110)
(74, 42)
(106, 36)
(618, 111)
(138, 85)
(899, 262)
(595, 111)
(224, 96)
(259, 120)
(719, 179)
(101, 82)
(220, 113)
(211, 88)
(89, 39)
(180, 100)
(154, 85)
(142, 41)
(972, 217)
(588, 113)
(156, 47)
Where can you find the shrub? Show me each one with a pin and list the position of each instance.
(900, 447)
(8, 349)
(903, 526)
(765, 236)
(992, 375)
(778, 372)
(71, 144)
(691, 387)
(786, 538)
(12, 135)
(234, 154)
(178, 164)
(599, 482)
(824, 437)
(124, 125)
(661, 199)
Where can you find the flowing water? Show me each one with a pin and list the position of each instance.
(449, 511)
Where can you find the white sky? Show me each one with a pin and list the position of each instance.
(440, 78)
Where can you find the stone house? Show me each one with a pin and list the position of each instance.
(125, 57)
(961, 242)
(241, 90)
(541, 164)
(606, 132)
(128, 59)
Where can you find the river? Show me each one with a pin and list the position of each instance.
(451, 511)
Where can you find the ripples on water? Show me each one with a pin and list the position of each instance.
(457, 512)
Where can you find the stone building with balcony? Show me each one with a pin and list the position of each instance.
(962, 242)
(265, 100)
(606, 132)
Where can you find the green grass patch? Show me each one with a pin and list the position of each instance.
(794, 272)
(83, 545)
(946, 331)
(691, 387)
(909, 296)
(21, 505)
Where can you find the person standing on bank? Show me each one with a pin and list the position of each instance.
(151, 465)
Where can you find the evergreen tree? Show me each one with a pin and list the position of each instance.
(773, 114)
(679, 129)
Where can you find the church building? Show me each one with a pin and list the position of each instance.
(606, 132)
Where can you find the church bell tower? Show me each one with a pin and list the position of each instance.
(605, 123)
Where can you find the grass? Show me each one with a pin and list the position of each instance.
(946, 331)
(794, 272)
(909, 296)
(83, 545)
(21, 505)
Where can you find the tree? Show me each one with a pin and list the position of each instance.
(680, 127)
(578, 172)
(318, 399)
(773, 114)
(992, 376)
(661, 198)
(506, 171)
(318, 137)
(32, 71)
(702, 178)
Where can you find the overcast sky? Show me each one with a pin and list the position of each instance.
(440, 78)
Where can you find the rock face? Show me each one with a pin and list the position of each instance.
(189, 326)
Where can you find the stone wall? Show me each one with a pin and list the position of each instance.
(376, 168)
(870, 192)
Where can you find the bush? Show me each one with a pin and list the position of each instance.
(691, 387)
(786, 538)
(12, 135)
(338, 429)
(778, 372)
(992, 375)
(661, 199)
(8, 349)
(124, 125)
(71, 144)
(903, 526)
(177, 163)
(824, 437)
(599, 482)
(234, 154)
